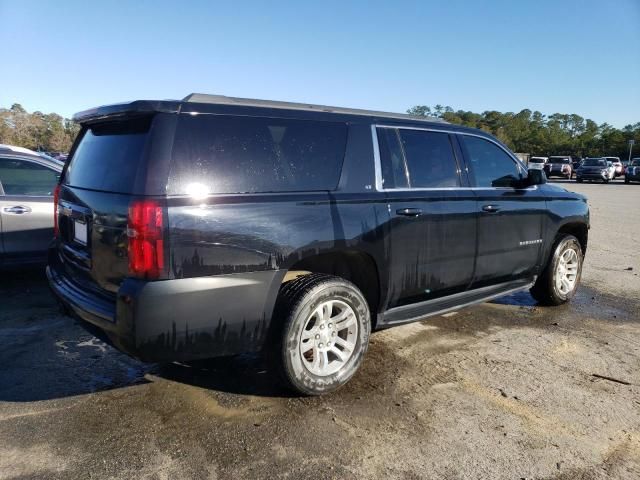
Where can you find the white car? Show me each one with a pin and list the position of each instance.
(617, 164)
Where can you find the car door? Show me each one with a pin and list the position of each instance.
(26, 207)
(510, 218)
(432, 215)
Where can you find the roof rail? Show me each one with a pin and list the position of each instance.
(250, 102)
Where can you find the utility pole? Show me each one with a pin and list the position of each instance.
(631, 142)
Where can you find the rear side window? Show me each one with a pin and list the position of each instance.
(229, 154)
(430, 159)
(490, 165)
(394, 168)
(109, 156)
(21, 177)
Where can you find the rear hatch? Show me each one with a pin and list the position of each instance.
(107, 171)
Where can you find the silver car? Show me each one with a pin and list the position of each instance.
(27, 182)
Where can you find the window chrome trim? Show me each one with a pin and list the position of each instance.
(378, 163)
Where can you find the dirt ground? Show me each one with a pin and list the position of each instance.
(501, 390)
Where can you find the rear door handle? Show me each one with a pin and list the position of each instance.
(17, 210)
(409, 212)
(491, 208)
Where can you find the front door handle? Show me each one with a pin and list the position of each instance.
(491, 208)
(409, 212)
(17, 210)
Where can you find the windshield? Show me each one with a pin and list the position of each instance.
(560, 160)
(594, 162)
(536, 160)
(635, 162)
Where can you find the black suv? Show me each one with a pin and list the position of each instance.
(215, 226)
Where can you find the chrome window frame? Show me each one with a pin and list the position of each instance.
(378, 163)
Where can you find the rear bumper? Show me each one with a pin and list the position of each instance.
(177, 320)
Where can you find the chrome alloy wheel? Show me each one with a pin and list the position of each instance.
(328, 338)
(566, 273)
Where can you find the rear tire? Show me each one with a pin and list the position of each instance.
(561, 276)
(321, 333)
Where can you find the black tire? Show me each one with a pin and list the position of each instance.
(626, 180)
(579, 180)
(297, 301)
(545, 290)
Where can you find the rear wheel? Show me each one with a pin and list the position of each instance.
(322, 333)
(560, 278)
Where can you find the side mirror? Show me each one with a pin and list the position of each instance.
(536, 175)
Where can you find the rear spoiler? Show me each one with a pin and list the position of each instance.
(139, 107)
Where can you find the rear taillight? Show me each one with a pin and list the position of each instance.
(146, 246)
(56, 197)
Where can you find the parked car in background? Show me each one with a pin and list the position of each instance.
(559, 166)
(617, 166)
(595, 169)
(632, 173)
(215, 226)
(541, 160)
(27, 183)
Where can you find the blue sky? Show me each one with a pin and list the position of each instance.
(550, 55)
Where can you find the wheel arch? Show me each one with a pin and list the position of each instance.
(356, 266)
(580, 230)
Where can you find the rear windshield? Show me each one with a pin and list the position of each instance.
(536, 160)
(229, 154)
(108, 156)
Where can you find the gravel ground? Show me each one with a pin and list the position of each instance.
(501, 390)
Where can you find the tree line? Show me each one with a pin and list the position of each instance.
(540, 135)
(525, 131)
(38, 131)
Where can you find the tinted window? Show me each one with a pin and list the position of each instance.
(594, 162)
(394, 171)
(559, 160)
(490, 164)
(430, 159)
(21, 177)
(226, 154)
(108, 156)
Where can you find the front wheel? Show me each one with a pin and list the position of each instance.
(560, 278)
(322, 333)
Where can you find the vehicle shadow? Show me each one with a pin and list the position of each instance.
(241, 374)
(46, 355)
